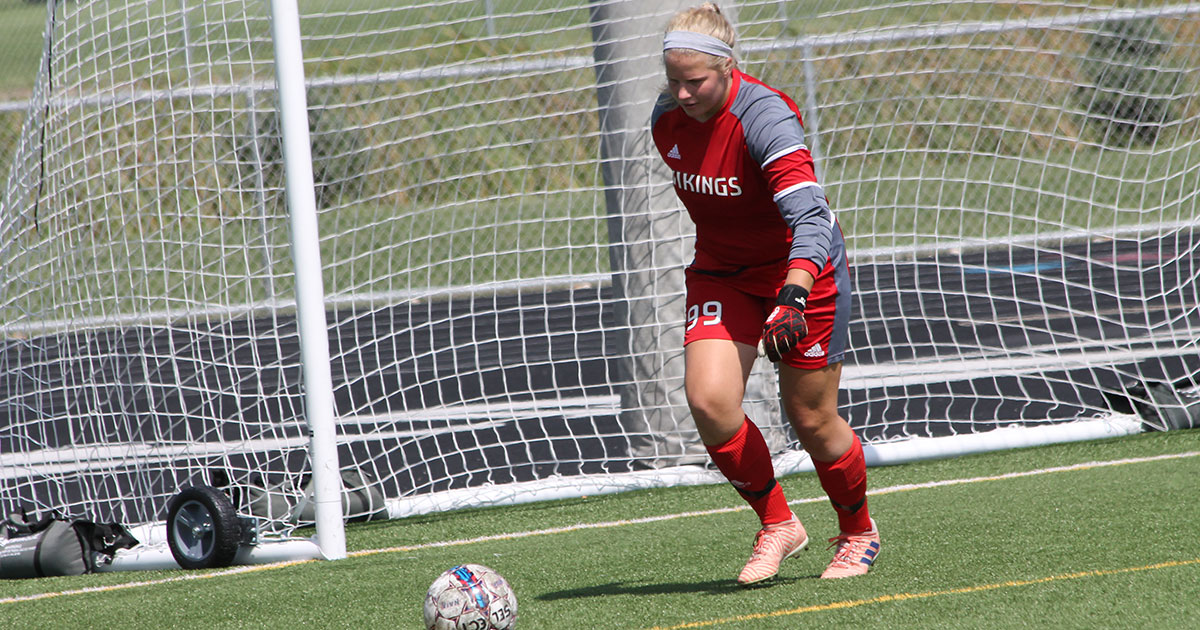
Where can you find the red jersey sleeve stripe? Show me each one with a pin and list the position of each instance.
(789, 170)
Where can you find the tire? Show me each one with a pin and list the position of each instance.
(202, 528)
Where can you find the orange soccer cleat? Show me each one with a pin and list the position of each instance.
(855, 553)
(772, 544)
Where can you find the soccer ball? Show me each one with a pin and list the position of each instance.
(470, 597)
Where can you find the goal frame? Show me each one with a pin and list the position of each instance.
(310, 291)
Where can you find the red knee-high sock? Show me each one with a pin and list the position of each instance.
(845, 481)
(745, 460)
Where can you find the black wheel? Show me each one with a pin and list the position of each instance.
(202, 528)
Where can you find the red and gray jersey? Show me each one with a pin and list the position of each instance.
(746, 178)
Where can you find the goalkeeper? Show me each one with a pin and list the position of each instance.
(769, 271)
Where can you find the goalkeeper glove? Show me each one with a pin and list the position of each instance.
(785, 326)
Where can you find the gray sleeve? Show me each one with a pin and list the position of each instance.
(772, 131)
(807, 212)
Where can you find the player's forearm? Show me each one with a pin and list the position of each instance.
(807, 213)
(800, 277)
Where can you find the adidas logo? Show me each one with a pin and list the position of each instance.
(815, 351)
(674, 153)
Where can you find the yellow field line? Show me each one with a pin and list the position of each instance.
(583, 526)
(900, 597)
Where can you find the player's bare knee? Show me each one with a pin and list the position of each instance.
(812, 424)
(707, 408)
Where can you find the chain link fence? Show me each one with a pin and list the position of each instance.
(12, 112)
(21, 26)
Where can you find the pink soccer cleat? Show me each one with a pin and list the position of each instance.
(855, 554)
(772, 544)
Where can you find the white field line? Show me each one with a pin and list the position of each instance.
(671, 517)
(586, 526)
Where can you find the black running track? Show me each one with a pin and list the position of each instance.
(997, 306)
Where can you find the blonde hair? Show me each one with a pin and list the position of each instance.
(706, 19)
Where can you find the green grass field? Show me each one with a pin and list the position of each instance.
(1085, 535)
(21, 25)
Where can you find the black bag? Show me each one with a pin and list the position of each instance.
(53, 546)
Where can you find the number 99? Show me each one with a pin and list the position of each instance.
(710, 311)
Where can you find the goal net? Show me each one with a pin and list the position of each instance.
(502, 252)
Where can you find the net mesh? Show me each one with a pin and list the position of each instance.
(1017, 183)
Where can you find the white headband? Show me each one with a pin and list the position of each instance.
(698, 42)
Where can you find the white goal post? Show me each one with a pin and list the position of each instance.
(456, 281)
(310, 289)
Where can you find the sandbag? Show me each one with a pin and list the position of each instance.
(292, 501)
(56, 546)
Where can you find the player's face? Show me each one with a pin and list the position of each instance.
(697, 88)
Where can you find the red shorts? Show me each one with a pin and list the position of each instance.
(717, 309)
